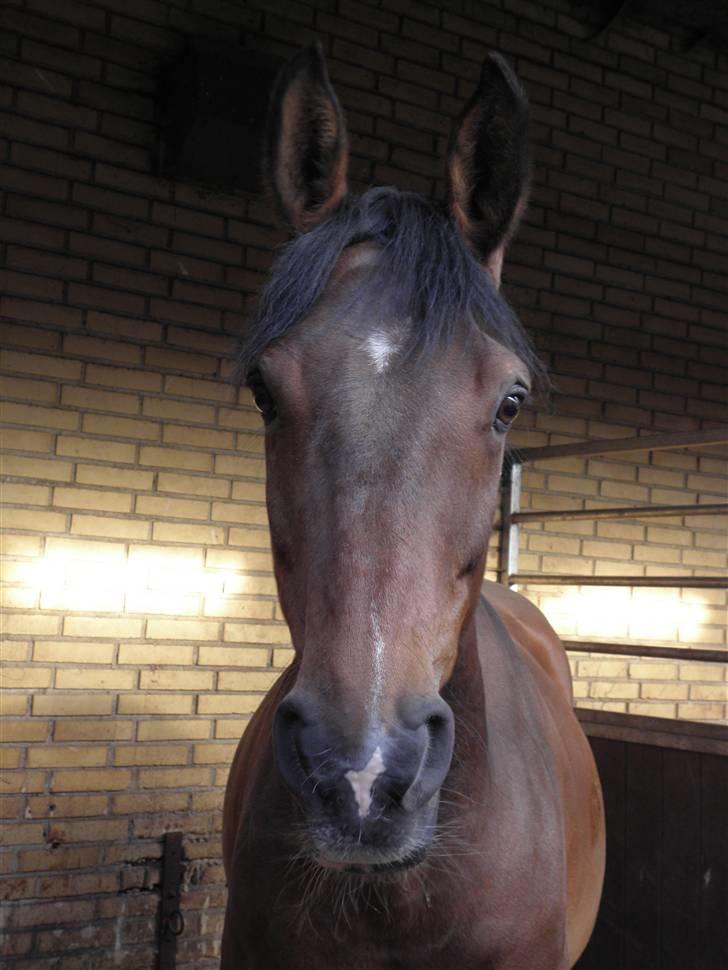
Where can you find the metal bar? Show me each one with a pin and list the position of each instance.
(510, 504)
(171, 922)
(624, 512)
(676, 582)
(625, 446)
(663, 653)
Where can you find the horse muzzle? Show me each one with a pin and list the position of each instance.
(370, 804)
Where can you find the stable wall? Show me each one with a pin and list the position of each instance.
(141, 625)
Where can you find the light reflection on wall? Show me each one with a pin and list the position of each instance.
(106, 582)
(621, 613)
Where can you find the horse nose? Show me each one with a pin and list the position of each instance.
(404, 765)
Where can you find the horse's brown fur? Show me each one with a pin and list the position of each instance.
(382, 485)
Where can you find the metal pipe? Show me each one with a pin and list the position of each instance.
(676, 582)
(625, 446)
(624, 512)
(663, 653)
(510, 504)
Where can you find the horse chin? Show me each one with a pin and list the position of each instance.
(375, 852)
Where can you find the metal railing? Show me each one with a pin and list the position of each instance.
(512, 518)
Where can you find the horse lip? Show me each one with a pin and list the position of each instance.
(409, 861)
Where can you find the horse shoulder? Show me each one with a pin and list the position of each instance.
(530, 630)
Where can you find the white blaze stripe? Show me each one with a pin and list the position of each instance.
(380, 348)
(362, 782)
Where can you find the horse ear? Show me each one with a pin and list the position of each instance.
(489, 164)
(307, 150)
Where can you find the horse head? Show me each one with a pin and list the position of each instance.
(388, 370)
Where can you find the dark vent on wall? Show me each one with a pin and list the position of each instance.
(213, 105)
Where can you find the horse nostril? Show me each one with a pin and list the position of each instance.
(289, 721)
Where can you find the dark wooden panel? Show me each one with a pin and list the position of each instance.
(605, 948)
(665, 900)
(680, 903)
(714, 864)
(643, 858)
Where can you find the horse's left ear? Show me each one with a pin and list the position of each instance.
(489, 164)
(307, 150)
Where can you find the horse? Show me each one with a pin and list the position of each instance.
(414, 792)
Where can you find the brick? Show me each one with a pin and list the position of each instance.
(27, 129)
(208, 535)
(173, 777)
(701, 712)
(63, 651)
(96, 449)
(249, 491)
(168, 359)
(198, 437)
(111, 779)
(146, 654)
(173, 410)
(52, 705)
(142, 803)
(115, 628)
(230, 728)
(60, 858)
(49, 264)
(237, 608)
(147, 754)
(196, 680)
(103, 678)
(234, 559)
(168, 507)
(256, 633)
(38, 364)
(173, 730)
(45, 417)
(234, 656)
(116, 252)
(29, 624)
(86, 399)
(25, 782)
(175, 603)
(234, 466)
(248, 680)
(182, 629)
(33, 520)
(116, 377)
(113, 476)
(199, 389)
(86, 498)
(175, 458)
(92, 551)
(56, 756)
(21, 388)
(213, 754)
(155, 704)
(13, 704)
(193, 485)
(228, 703)
(105, 526)
(16, 731)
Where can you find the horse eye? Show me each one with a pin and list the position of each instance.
(508, 411)
(262, 396)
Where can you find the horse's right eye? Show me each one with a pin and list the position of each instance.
(262, 396)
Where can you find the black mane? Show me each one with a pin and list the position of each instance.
(427, 272)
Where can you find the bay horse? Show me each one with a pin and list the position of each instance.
(415, 792)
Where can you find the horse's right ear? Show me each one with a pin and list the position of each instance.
(307, 149)
(489, 164)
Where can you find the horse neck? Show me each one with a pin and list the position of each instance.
(498, 711)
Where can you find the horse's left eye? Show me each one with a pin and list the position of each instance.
(262, 396)
(508, 411)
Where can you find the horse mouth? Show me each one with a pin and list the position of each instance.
(409, 861)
